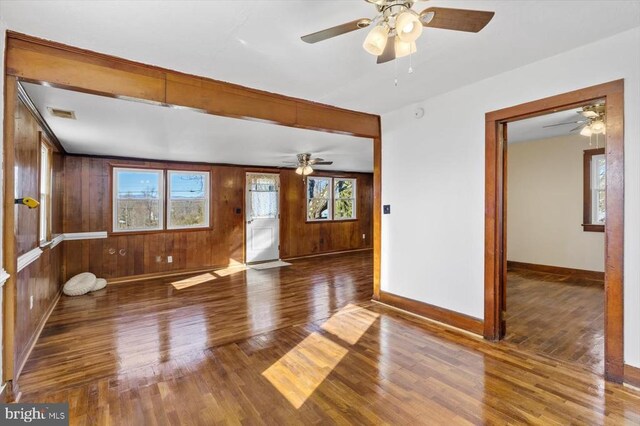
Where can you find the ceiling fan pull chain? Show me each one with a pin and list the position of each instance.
(410, 63)
(395, 65)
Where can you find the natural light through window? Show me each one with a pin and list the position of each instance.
(598, 189)
(45, 193)
(318, 198)
(344, 205)
(301, 370)
(191, 281)
(137, 199)
(331, 198)
(188, 199)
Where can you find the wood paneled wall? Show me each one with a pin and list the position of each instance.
(87, 209)
(42, 279)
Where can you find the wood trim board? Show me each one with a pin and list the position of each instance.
(436, 313)
(558, 270)
(632, 375)
(495, 212)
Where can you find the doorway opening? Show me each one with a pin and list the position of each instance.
(262, 227)
(496, 199)
(555, 211)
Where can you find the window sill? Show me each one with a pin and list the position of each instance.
(159, 231)
(589, 227)
(332, 220)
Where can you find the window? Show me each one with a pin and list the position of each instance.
(263, 190)
(45, 192)
(318, 198)
(137, 199)
(595, 171)
(344, 205)
(188, 200)
(331, 198)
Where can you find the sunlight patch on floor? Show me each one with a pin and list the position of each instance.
(301, 370)
(230, 270)
(191, 281)
(350, 323)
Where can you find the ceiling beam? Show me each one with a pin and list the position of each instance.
(42, 61)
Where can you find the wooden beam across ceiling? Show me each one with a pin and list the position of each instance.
(43, 61)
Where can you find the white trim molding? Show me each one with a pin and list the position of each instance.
(85, 235)
(28, 258)
(57, 240)
(4, 276)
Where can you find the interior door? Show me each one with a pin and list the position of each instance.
(263, 217)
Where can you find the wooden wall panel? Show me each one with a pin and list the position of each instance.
(41, 279)
(27, 149)
(87, 209)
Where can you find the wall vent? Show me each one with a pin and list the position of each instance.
(61, 113)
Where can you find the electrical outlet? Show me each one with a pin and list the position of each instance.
(364, 237)
(169, 259)
(30, 302)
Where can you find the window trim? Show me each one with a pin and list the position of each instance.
(587, 226)
(207, 199)
(355, 199)
(44, 142)
(161, 198)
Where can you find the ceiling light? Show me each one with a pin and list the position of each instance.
(597, 127)
(408, 27)
(307, 170)
(404, 49)
(299, 170)
(586, 131)
(376, 40)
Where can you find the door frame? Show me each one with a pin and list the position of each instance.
(495, 213)
(244, 208)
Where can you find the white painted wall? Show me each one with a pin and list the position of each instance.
(545, 205)
(433, 177)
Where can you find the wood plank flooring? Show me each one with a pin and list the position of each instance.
(295, 345)
(557, 315)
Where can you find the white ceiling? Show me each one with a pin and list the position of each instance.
(533, 128)
(257, 43)
(115, 127)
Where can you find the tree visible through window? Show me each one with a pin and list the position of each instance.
(138, 197)
(331, 198)
(318, 198)
(344, 199)
(188, 202)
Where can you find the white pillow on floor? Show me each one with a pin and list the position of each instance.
(80, 284)
(100, 284)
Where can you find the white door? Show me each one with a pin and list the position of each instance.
(263, 217)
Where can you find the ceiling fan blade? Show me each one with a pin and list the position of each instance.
(577, 128)
(290, 162)
(562, 124)
(389, 53)
(322, 163)
(588, 114)
(456, 19)
(336, 31)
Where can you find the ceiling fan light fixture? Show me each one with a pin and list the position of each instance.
(408, 27)
(307, 170)
(376, 40)
(299, 170)
(404, 49)
(597, 127)
(586, 131)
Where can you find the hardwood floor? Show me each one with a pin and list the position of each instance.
(556, 315)
(297, 345)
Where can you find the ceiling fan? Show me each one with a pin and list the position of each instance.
(593, 122)
(305, 162)
(396, 26)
